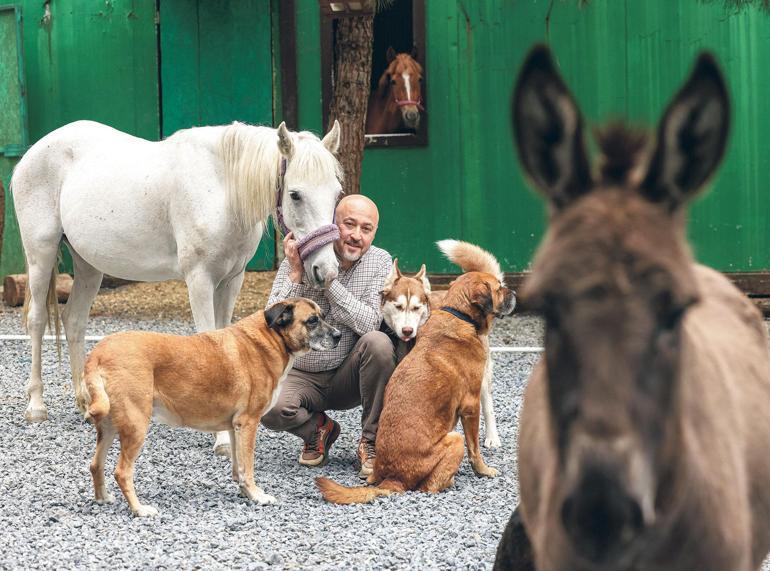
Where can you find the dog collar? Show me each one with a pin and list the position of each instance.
(460, 315)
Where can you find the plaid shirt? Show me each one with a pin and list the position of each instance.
(351, 304)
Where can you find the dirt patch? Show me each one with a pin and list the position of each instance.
(168, 300)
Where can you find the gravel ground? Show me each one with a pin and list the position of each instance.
(49, 520)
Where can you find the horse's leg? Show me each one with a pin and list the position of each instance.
(41, 261)
(224, 300)
(75, 317)
(201, 291)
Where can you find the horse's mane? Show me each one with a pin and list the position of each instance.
(252, 162)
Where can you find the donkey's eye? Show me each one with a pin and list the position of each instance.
(312, 321)
(393, 82)
(294, 195)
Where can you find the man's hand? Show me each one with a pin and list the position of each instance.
(291, 253)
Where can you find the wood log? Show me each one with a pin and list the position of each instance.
(15, 286)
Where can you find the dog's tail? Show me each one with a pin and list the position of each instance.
(339, 494)
(470, 257)
(93, 397)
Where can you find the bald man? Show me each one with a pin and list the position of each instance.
(357, 370)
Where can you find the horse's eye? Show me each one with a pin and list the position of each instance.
(393, 82)
(294, 195)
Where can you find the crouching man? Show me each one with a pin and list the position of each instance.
(357, 370)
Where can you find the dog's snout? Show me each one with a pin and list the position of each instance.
(407, 331)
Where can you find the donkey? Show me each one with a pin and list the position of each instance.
(644, 439)
(395, 105)
(193, 206)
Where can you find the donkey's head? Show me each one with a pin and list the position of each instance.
(614, 280)
(309, 192)
(403, 81)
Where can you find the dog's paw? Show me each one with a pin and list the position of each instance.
(145, 511)
(492, 441)
(264, 499)
(488, 472)
(222, 449)
(107, 498)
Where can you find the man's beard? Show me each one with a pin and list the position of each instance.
(351, 257)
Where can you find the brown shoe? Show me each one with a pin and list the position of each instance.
(316, 451)
(366, 455)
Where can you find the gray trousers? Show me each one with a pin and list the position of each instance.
(359, 380)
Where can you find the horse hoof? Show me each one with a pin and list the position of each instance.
(33, 415)
(222, 450)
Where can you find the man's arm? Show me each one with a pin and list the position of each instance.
(288, 279)
(361, 313)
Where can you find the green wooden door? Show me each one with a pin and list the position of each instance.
(216, 67)
(14, 136)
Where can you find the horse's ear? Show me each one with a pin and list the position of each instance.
(285, 144)
(390, 55)
(332, 139)
(414, 52)
(692, 137)
(423, 278)
(548, 130)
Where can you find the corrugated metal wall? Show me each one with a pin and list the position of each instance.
(621, 57)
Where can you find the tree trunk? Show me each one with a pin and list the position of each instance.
(350, 93)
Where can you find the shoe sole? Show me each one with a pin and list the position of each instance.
(323, 460)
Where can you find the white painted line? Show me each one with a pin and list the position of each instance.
(504, 349)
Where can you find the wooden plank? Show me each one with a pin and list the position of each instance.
(15, 286)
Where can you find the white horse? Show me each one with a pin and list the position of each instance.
(193, 206)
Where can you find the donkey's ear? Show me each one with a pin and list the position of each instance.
(423, 278)
(332, 139)
(414, 52)
(279, 314)
(390, 55)
(692, 137)
(285, 144)
(548, 130)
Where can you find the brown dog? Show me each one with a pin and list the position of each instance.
(438, 382)
(219, 380)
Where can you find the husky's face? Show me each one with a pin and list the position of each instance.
(405, 304)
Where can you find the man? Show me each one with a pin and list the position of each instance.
(357, 370)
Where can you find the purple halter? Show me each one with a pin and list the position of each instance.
(316, 239)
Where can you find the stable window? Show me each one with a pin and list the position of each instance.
(397, 114)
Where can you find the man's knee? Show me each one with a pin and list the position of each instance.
(377, 349)
(283, 416)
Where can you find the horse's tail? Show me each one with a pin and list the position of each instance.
(339, 494)
(92, 397)
(470, 257)
(51, 303)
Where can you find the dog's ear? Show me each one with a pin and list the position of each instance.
(423, 278)
(395, 273)
(482, 298)
(279, 314)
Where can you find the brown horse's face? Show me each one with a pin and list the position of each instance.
(614, 280)
(403, 80)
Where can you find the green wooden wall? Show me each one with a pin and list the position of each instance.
(85, 60)
(621, 58)
(101, 61)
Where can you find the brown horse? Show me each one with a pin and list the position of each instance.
(395, 106)
(644, 438)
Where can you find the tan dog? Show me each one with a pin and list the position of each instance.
(438, 382)
(219, 380)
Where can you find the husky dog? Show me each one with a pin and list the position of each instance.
(406, 305)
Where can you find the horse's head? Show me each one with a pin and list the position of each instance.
(614, 280)
(309, 189)
(402, 81)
